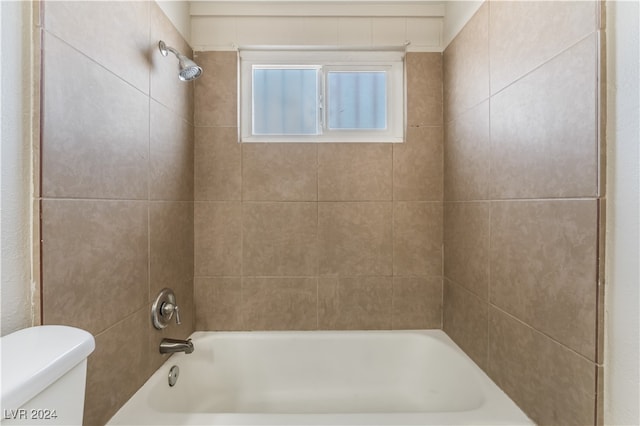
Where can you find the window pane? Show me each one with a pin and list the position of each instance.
(285, 101)
(357, 100)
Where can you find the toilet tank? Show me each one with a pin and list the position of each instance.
(43, 375)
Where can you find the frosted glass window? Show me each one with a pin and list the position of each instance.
(312, 94)
(285, 101)
(357, 100)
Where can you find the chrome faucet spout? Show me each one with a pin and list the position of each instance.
(169, 346)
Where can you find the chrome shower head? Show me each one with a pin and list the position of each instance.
(189, 70)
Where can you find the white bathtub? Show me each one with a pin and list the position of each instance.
(321, 378)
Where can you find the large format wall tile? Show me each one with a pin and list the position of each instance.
(279, 187)
(95, 141)
(466, 66)
(279, 239)
(522, 85)
(552, 384)
(216, 90)
(94, 254)
(417, 238)
(354, 172)
(417, 165)
(466, 246)
(280, 303)
(542, 145)
(108, 149)
(165, 86)
(219, 303)
(525, 34)
(217, 238)
(360, 303)
(465, 319)
(115, 370)
(424, 99)
(543, 267)
(171, 156)
(279, 172)
(218, 164)
(355, 238)
(114, 34)
(170, 246)
(467, 155)
(417, 303)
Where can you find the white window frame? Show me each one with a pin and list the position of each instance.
(390, 60)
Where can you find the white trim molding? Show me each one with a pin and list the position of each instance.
(221, 25)
(360, 8)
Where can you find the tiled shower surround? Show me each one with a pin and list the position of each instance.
(523, 201)
(297, 236)
(485, 222)
(117, 187)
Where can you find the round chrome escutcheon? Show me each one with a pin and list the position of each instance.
(173, 375)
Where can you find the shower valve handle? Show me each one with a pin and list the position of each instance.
(163, 308)
(169, 308)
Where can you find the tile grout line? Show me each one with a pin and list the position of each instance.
(444, 190)
(488, 302)
(520, 321)
(524, 200)
(459, 284)
(543, 63)
(489, 190)
(148, 167)
(541, 333)
(317, 242)
(443, 163)
(37, 144)
(393, 223)
(243, 321)
(505, 200)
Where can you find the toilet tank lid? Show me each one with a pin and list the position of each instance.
(35, 357)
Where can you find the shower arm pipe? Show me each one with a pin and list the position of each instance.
(172, 50)
(164, 48)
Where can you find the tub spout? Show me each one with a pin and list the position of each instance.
(169, 346)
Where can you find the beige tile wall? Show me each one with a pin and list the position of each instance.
(117, 187)
(521, 210)
(305, 236)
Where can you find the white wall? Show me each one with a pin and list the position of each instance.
(456, 15)
(178, 14)
(17, 309)
(622, 297)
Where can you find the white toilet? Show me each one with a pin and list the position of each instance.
(43, 375)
